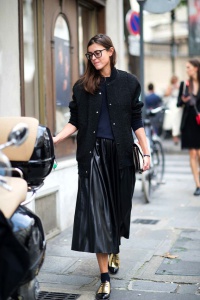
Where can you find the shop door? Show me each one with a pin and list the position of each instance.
(61, 66)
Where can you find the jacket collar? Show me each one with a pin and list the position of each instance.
(112, 76)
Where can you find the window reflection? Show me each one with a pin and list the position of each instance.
(30, 82)
(62, 72)
(87, 27)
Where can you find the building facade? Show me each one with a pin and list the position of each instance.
(42, 47)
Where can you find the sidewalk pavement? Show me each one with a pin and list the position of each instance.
(171, 148)
(161, 260)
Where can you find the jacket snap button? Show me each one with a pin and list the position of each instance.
(110, 103)
(113, 123)
(93, 131)
(97, 112)
(99, 93)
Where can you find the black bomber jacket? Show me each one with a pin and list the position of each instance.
(123, 104)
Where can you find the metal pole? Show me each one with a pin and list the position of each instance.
(141, 3)
(172, 42)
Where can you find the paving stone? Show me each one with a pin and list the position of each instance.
(132, 295)
(179, 267)
(192, 234)
(187, 263)
(185, 255)
(85, 266)
(186, 243)
(56, 264)
(148, 272)
(66, 279)
(188, 289)
(119, 284)
(142, 285)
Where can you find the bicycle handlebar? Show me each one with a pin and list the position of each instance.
(154, 111)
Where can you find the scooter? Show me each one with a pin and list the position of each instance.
(22, 172)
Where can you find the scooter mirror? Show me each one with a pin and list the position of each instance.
(17, 136)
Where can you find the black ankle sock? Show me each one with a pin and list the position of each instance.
(105, 277)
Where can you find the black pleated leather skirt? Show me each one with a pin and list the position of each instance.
(104, 202)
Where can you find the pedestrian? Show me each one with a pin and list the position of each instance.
(189, 98)
(104, 110)
(152, 100)
(173, 116)
(194, 27)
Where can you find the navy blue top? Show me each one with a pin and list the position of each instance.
(152, 100)
(104, 129)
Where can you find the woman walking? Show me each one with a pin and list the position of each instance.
(104, 110)
(175, 113)
(189, 98)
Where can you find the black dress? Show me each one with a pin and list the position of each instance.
(190, 131)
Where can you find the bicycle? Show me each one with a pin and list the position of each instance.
(153, 177)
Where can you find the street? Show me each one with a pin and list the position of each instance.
(161, 260)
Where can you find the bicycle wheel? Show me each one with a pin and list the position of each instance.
(158, 162)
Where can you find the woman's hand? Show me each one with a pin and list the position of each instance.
(141, 136)
(147, 161)
(55, 140)
(67, 131)
(185, 98)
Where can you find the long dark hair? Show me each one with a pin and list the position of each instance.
(195, 63)
(91, 78)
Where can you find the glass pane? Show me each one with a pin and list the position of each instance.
(87, 27)
(30, 75)
(62, 72)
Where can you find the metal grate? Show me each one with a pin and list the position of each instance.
(145, 221)
(57, 296)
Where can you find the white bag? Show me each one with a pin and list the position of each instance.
(138, 158)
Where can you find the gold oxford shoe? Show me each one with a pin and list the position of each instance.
(113, 263)
(103, 291)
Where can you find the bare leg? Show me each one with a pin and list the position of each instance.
(102, 259)
(198, 153)
(194, 164)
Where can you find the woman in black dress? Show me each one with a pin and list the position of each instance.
(189, 98)
(104, 110)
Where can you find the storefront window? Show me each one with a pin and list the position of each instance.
(62, 72)
(87, 23)
(30, 74)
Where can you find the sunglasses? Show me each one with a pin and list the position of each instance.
(97, 54)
